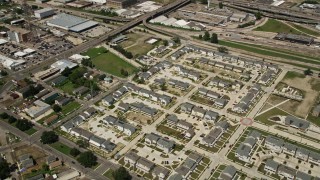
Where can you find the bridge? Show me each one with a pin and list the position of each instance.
(92, 43)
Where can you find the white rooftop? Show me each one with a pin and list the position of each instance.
(2, 41)
(62, 64)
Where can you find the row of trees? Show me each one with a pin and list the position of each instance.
(21, 124)
(124, 52)
(206, 37)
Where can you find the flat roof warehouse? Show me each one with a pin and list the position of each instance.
(71, 23)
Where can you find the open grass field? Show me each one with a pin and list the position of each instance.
(305, 30)
(132, 39)
(61, 147)
(94, 52)
(294, 57)
(68, 87)
(263, 118)
(70, 107)
(109, 62)
(140, 49)
(292, 75)
(112, 64)
(276, 26)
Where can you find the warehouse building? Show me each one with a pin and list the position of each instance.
(38, 109)
(295, 38)
(43, 13)
(18, 34)
(119, 4)
(71, 23)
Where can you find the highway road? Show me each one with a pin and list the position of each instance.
(94, 42)
(34, 139)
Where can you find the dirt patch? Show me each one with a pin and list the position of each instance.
(306, 84)
(75, 41)
(265, 107)
(274, 100)
(136, 117)
(291, 107)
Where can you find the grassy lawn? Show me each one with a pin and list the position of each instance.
(94, 52)
(68, 87)
(305, 30)
(132, 38)
(71, 106)
(292, 75)
(61, 147)
(140, 49)
(169, 131)
(111, 63)
(30, 131)
(276, 26)
(314, 120)
(265, 116)
(272, 53)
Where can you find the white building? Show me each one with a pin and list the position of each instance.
(43, 13)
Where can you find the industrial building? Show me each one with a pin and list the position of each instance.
(11, 63)
(38, 109)
(18, 35)
(43, 13)
(98, 1)
(118, 4)
(295, 38)
(63, 64)
(71, 23)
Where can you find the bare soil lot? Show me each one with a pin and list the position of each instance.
(311, 87)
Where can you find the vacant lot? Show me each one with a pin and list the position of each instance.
(276, 26)
(310, 86)
(109, 62)
(136, 43)
(305, 30)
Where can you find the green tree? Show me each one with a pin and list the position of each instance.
(258, 15)
(12, 119)
(74, 152)
(45, 167)
(204, 1)
(82, 143)
(66, 72)
(308, 72)
(124, 72)
(24, 125)
(102, 76)
(49, 137)
(176, 40)
(4, 115)
(56, 108)
(4, 169)
(163, 87)
(87, 159)
(200, 36)
(223, 49)
(214, 38)
(3, 73)
(165, 42)
(206, 36)
(121, 174)
(220, 5)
